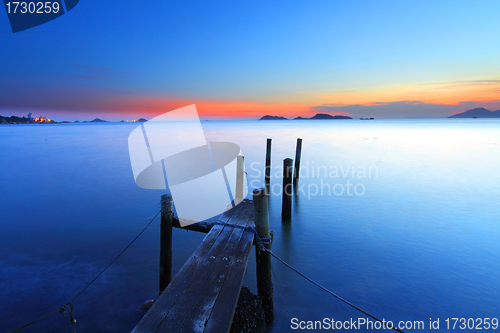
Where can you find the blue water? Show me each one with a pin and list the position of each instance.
(419, 239)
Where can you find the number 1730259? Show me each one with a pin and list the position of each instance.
(32, 7)
(472, 323)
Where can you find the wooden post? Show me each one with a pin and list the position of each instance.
(268, 165)
(240, 178)
(263, 258)
(286, 207)
(296, 171)
(167, 215)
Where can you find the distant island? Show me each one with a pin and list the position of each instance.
(14, 120)
(317, 116)
(323, 116)
(96, 120)
(24, 120)
(273, 118)
(44, 120)
(477, 113)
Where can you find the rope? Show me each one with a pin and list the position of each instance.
(68, 307)
(333, 294)
(116, 258)
(261, 241)
(34, 321)
(275, 276)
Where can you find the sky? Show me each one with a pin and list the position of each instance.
(120, 59)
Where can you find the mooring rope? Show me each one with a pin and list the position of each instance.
(260, 243)
(68, 307)
(333, 294)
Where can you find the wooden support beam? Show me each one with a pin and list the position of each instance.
(263, 258)
(167, 215)
(240, 179)
(286, 207)
(298, 153)
(268, 165)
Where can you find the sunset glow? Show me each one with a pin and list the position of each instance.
(430, 60)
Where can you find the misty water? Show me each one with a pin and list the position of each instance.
(400, 217)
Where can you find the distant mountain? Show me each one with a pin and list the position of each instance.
(273, 118)
(14, 120)
(323, 116)
(141, 120)
(477, 113)
(96, 120)
(24, 120)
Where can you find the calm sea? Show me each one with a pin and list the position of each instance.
(400, 217)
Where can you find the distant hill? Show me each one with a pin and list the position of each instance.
(477, 113)
(14, 120)
(141, 120)
(24, 120)
(96, 120)
(323, 116)
(273, 118)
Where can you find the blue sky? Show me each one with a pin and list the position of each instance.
(129, 59)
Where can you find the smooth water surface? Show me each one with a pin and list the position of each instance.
(400, 217)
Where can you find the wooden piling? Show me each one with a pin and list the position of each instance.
(268, 165)
(240, 178)
(166, 241)
(296, 171)
(263, 258)
(286, 207)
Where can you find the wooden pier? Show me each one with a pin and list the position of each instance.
(203, 296)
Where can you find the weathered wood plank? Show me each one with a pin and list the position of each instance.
(202, 309)
(223, 309)
(178, 313)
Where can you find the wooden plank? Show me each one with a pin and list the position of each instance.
(223, 310)
(202, 309)
(152, 319)
(177, 312)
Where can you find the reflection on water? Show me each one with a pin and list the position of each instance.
(420, 242)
